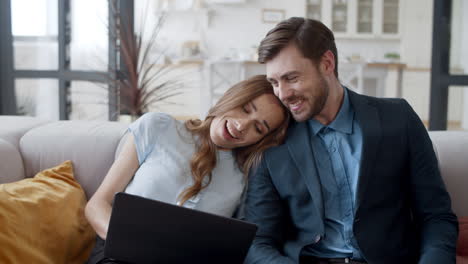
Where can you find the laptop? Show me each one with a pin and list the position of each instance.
(144, 231)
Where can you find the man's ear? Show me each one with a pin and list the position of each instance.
(327, 63)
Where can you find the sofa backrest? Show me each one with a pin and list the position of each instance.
(452, 152)
(11, 163)
(89, 145)
(12, 128)
(28, 145)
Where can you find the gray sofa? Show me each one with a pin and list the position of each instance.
(29, 145)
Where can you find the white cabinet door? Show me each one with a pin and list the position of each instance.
(357, 18)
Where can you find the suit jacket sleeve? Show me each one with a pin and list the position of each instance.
(431, 201)
(264, 208)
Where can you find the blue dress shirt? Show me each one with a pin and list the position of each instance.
(337, 150)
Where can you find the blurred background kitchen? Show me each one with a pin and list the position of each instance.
(65, 59)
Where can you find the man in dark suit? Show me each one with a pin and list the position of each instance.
(357, 180)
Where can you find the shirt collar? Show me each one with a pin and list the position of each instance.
(343, 121)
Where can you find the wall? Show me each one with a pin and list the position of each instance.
(220, 27)
(223, 30)
(235, 30)
(241, 27)
(369, 49)
(416, 44)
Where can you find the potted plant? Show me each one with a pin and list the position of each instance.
(142, 83)
(392, 56)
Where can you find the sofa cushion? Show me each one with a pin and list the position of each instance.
(89, 145)
(42, 219)
(462, 245)
(11, 165)
(14, 127)
(452, 153)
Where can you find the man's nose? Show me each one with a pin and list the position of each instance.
(284, 92)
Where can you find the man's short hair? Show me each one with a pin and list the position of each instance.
(312, 38)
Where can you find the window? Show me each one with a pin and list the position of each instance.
(56, 59)
(35, 31)
(449, 78)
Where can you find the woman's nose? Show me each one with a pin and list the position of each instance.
(241, 124)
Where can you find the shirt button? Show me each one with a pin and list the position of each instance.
(317, 238)
(332, 149)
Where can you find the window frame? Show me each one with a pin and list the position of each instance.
(441, 79)
(64, 75)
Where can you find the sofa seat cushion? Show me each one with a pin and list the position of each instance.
(11, 165)
(42, 219)
(462, 245)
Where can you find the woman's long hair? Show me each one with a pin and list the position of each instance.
(204, 159)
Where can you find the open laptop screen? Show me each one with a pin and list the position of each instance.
(148, 231)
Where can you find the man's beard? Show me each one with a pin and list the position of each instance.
(317, 103)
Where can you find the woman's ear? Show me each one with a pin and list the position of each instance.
(327, 63)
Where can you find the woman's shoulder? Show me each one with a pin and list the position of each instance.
(152, 126)
(152, 117)
(154, 121)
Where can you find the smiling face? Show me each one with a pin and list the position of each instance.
(298, 83)
(247, 124)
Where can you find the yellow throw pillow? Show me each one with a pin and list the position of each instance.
(42, 219)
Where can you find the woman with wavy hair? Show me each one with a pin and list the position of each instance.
(199, 164)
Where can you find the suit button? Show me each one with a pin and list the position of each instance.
(317, 238)
(356, 220)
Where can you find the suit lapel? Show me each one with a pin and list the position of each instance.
(369, 121)
(300, 150)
